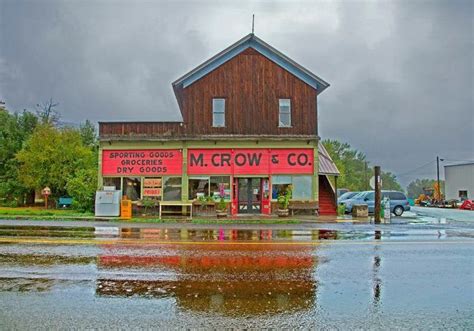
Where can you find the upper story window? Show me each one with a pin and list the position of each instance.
(284, 117)
(218, 112)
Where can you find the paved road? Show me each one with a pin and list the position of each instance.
(444, 214)
(335, 276)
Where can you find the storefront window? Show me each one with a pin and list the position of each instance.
(279, 185)
(172, 188)
(112, 181)
(301, 186)
(131, 188)
(198, 187)
(216, 181)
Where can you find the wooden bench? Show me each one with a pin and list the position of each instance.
(300, 205)
(174, 204)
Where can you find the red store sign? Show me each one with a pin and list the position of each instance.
(255, 161)
(142, 162)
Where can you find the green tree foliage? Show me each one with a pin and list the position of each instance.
(52, 156)
(416, 187)
(82, 187)
(389, 182)
(34, 153)
(355, 169)
(89, 135)
(14, 130)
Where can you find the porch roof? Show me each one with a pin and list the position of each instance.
(326, 164)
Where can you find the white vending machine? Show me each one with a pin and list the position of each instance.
(107, 202)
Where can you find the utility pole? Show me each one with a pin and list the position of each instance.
(378, 194)
(437, 176)
(365, 175)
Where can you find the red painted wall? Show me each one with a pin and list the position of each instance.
(255, 161)
(142, 162)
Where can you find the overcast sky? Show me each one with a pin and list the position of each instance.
(401, 73)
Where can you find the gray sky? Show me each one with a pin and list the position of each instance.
(401, 72)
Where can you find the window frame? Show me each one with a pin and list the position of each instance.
(215, 111)
(280, 124)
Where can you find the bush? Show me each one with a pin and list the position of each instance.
(82, 189)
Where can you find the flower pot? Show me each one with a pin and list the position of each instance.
(282, 212)
(221, 213)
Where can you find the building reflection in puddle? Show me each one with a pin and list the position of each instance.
(233, 279)
(229, 234)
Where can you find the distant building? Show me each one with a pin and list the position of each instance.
(459, 181)
(249, 130)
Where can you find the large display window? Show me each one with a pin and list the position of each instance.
(216, 182)
(113, 181)
(198, 187)
(172, 188)
(301, 186)
(131, 188)
(209, 187)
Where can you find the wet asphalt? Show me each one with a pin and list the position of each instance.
(416, 273)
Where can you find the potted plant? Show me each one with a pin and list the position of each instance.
(147, 203)
(283, 201)
(221, 208)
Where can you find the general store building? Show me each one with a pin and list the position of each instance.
(249, 125)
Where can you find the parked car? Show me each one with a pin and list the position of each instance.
(398, 201)
(341, 191)
(346, 196)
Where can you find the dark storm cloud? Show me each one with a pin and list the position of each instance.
(400, 72)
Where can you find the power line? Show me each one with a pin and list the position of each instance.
(417, 168)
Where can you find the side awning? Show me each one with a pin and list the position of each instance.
(326, 164)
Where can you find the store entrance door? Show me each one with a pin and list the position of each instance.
(250, 196)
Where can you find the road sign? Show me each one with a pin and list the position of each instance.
(46, 191)
(372, 182)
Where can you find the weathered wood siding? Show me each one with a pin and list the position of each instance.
(140, 129)
(251, 85)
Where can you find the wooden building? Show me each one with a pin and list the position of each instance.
(249, 129)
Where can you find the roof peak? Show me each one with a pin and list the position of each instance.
(251, 40)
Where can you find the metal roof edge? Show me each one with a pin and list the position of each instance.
(459, 164)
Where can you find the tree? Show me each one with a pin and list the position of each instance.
(389, 182)
(14, 131)
(416, 187)
(354, 168)
(352, 165)
(82, 187)
(89, 134)
(52, 156)
(46, 112)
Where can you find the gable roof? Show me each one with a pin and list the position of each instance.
(263, 48)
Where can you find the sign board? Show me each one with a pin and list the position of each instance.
(372, 182)
(142, 162)
(152, 182)
(152, 187)
(151, 192)
(250, 161)
(46, 191)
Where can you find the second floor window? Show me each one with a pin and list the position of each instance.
(218, 112)
(284, 117)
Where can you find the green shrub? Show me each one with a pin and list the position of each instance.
(82, 189)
